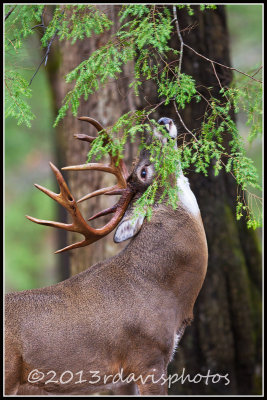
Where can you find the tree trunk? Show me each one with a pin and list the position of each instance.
(225, 336)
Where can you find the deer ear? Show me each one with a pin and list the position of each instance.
(128, 228)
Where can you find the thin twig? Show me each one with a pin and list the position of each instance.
(42, 25)
(215, 73)
(182, 122)
(180, 37)
(44, 60)
(257, 71)
(12, 45)
(9, 12)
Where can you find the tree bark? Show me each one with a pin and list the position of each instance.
(225, 336)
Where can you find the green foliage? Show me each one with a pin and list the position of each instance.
(190, 10)
(18, 27)
(17, 89)
(210, 149)
(150, 29)
(246, 95)
(19, 24)
(93, 73)
(180, 88)
(144, 37)
(68, 22)
(73, 23)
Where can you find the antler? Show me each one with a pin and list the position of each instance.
(66, 199)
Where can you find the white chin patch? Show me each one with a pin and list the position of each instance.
(172, 130)
(127, 229)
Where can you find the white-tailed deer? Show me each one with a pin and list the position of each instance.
(119, 320)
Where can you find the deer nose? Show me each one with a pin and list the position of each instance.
(169, 126)
(164, 121)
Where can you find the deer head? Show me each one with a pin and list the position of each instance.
(130, 187)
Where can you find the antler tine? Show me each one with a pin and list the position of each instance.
(104, 212)
(73, 246)
(90, 166)
(94, 122)
(47, 191)
(119, 171)
(97, 193)
(100, 129)
(83, 137)
(64, 190)
(61, 225)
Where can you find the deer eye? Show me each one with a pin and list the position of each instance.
(143, 173)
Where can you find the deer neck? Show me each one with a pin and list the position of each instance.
(171, 259)
(166, 243)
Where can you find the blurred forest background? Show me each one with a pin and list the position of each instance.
(29, 258)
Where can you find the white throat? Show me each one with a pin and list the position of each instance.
(185, 194)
